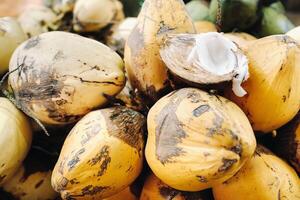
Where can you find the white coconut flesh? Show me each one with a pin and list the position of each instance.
(212, 56)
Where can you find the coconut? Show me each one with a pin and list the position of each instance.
(37, 19)
(102, 155)
(92, 15)
(58, 84)
(207, 58)
(197, 140)
(274, 84)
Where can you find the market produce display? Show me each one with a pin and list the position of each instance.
(149, 100)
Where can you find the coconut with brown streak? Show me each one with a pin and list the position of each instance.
(197, 140)
(263, 177)
(58, 84)
(146, 70)
(156, 189)
(273, 88)
(102, 155)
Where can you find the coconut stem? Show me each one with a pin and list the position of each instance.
(11, 97)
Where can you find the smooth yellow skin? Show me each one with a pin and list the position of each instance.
(146, 71)
(125, 194)
(205, 27)
(92, 15)
(90, 141)
(65, 80)
(263, 177)
(11, 36)
(295, 34)
(15, 139)
(222, 132)
(35, 187)
(274, 84)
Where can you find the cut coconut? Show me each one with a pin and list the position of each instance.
(206, 58)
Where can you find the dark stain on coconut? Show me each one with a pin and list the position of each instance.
(202, 179)
(164, 28)
(93, 190)
(237, 149)
(227, 164)
(38, 184)
(194, 96)
(169, 131)
(217, 126)
(32, 42)
(126, 125)
(101, 158)
(200, 110)
(74, 181)
(75, 159)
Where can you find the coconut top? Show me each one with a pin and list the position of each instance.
(206, 58)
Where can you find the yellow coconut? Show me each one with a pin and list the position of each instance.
(273, 89)
(197, 140)
(58, 84)
(156, 189)
(102, 155)
(263, 177)
(146, 70)
(37, 19)
(92, 15)
(15, 139)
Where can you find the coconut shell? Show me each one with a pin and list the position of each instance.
(102, 155)
(197, 140)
